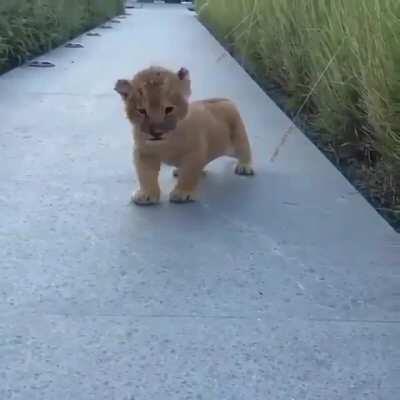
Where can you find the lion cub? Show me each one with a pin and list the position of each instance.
(168, 129)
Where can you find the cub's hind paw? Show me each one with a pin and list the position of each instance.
(244, 169)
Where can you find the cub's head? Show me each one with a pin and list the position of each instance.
(156, 99)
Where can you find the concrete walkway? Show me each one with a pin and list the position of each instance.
(281, 287)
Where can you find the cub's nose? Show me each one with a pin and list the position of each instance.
(156, 134)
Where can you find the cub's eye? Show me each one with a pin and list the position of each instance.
(168, 110)
(142, 111)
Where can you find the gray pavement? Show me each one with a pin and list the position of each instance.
(281, 287)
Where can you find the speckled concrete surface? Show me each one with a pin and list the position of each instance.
(285, 286)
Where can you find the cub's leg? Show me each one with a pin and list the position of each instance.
(241, 149)
(147, 169)
(189, 175)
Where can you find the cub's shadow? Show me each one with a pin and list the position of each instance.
(271, 203)
(223, 196)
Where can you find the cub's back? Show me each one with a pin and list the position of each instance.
(218, 109)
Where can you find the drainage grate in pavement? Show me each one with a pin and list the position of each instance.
(41, 64)
(74, 46)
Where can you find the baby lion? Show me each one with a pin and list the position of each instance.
(168, 129)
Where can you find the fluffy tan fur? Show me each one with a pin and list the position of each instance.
(168, 129)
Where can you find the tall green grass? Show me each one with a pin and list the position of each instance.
(29, 27)
(356, 105)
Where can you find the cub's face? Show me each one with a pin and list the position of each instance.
(156, 100)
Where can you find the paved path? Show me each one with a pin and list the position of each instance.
(281, 287)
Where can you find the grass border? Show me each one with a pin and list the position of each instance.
(27, 31)
(282, 99)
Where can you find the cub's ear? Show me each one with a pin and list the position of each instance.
(123, 87)
(183, 73)
(184, 76)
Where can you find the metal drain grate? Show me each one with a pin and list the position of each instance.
(41, 64)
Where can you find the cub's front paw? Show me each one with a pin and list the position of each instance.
(142, 198)
(181, 196)
(244, 169)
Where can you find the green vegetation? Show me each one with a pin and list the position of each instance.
(29, 27)
(356, 106)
